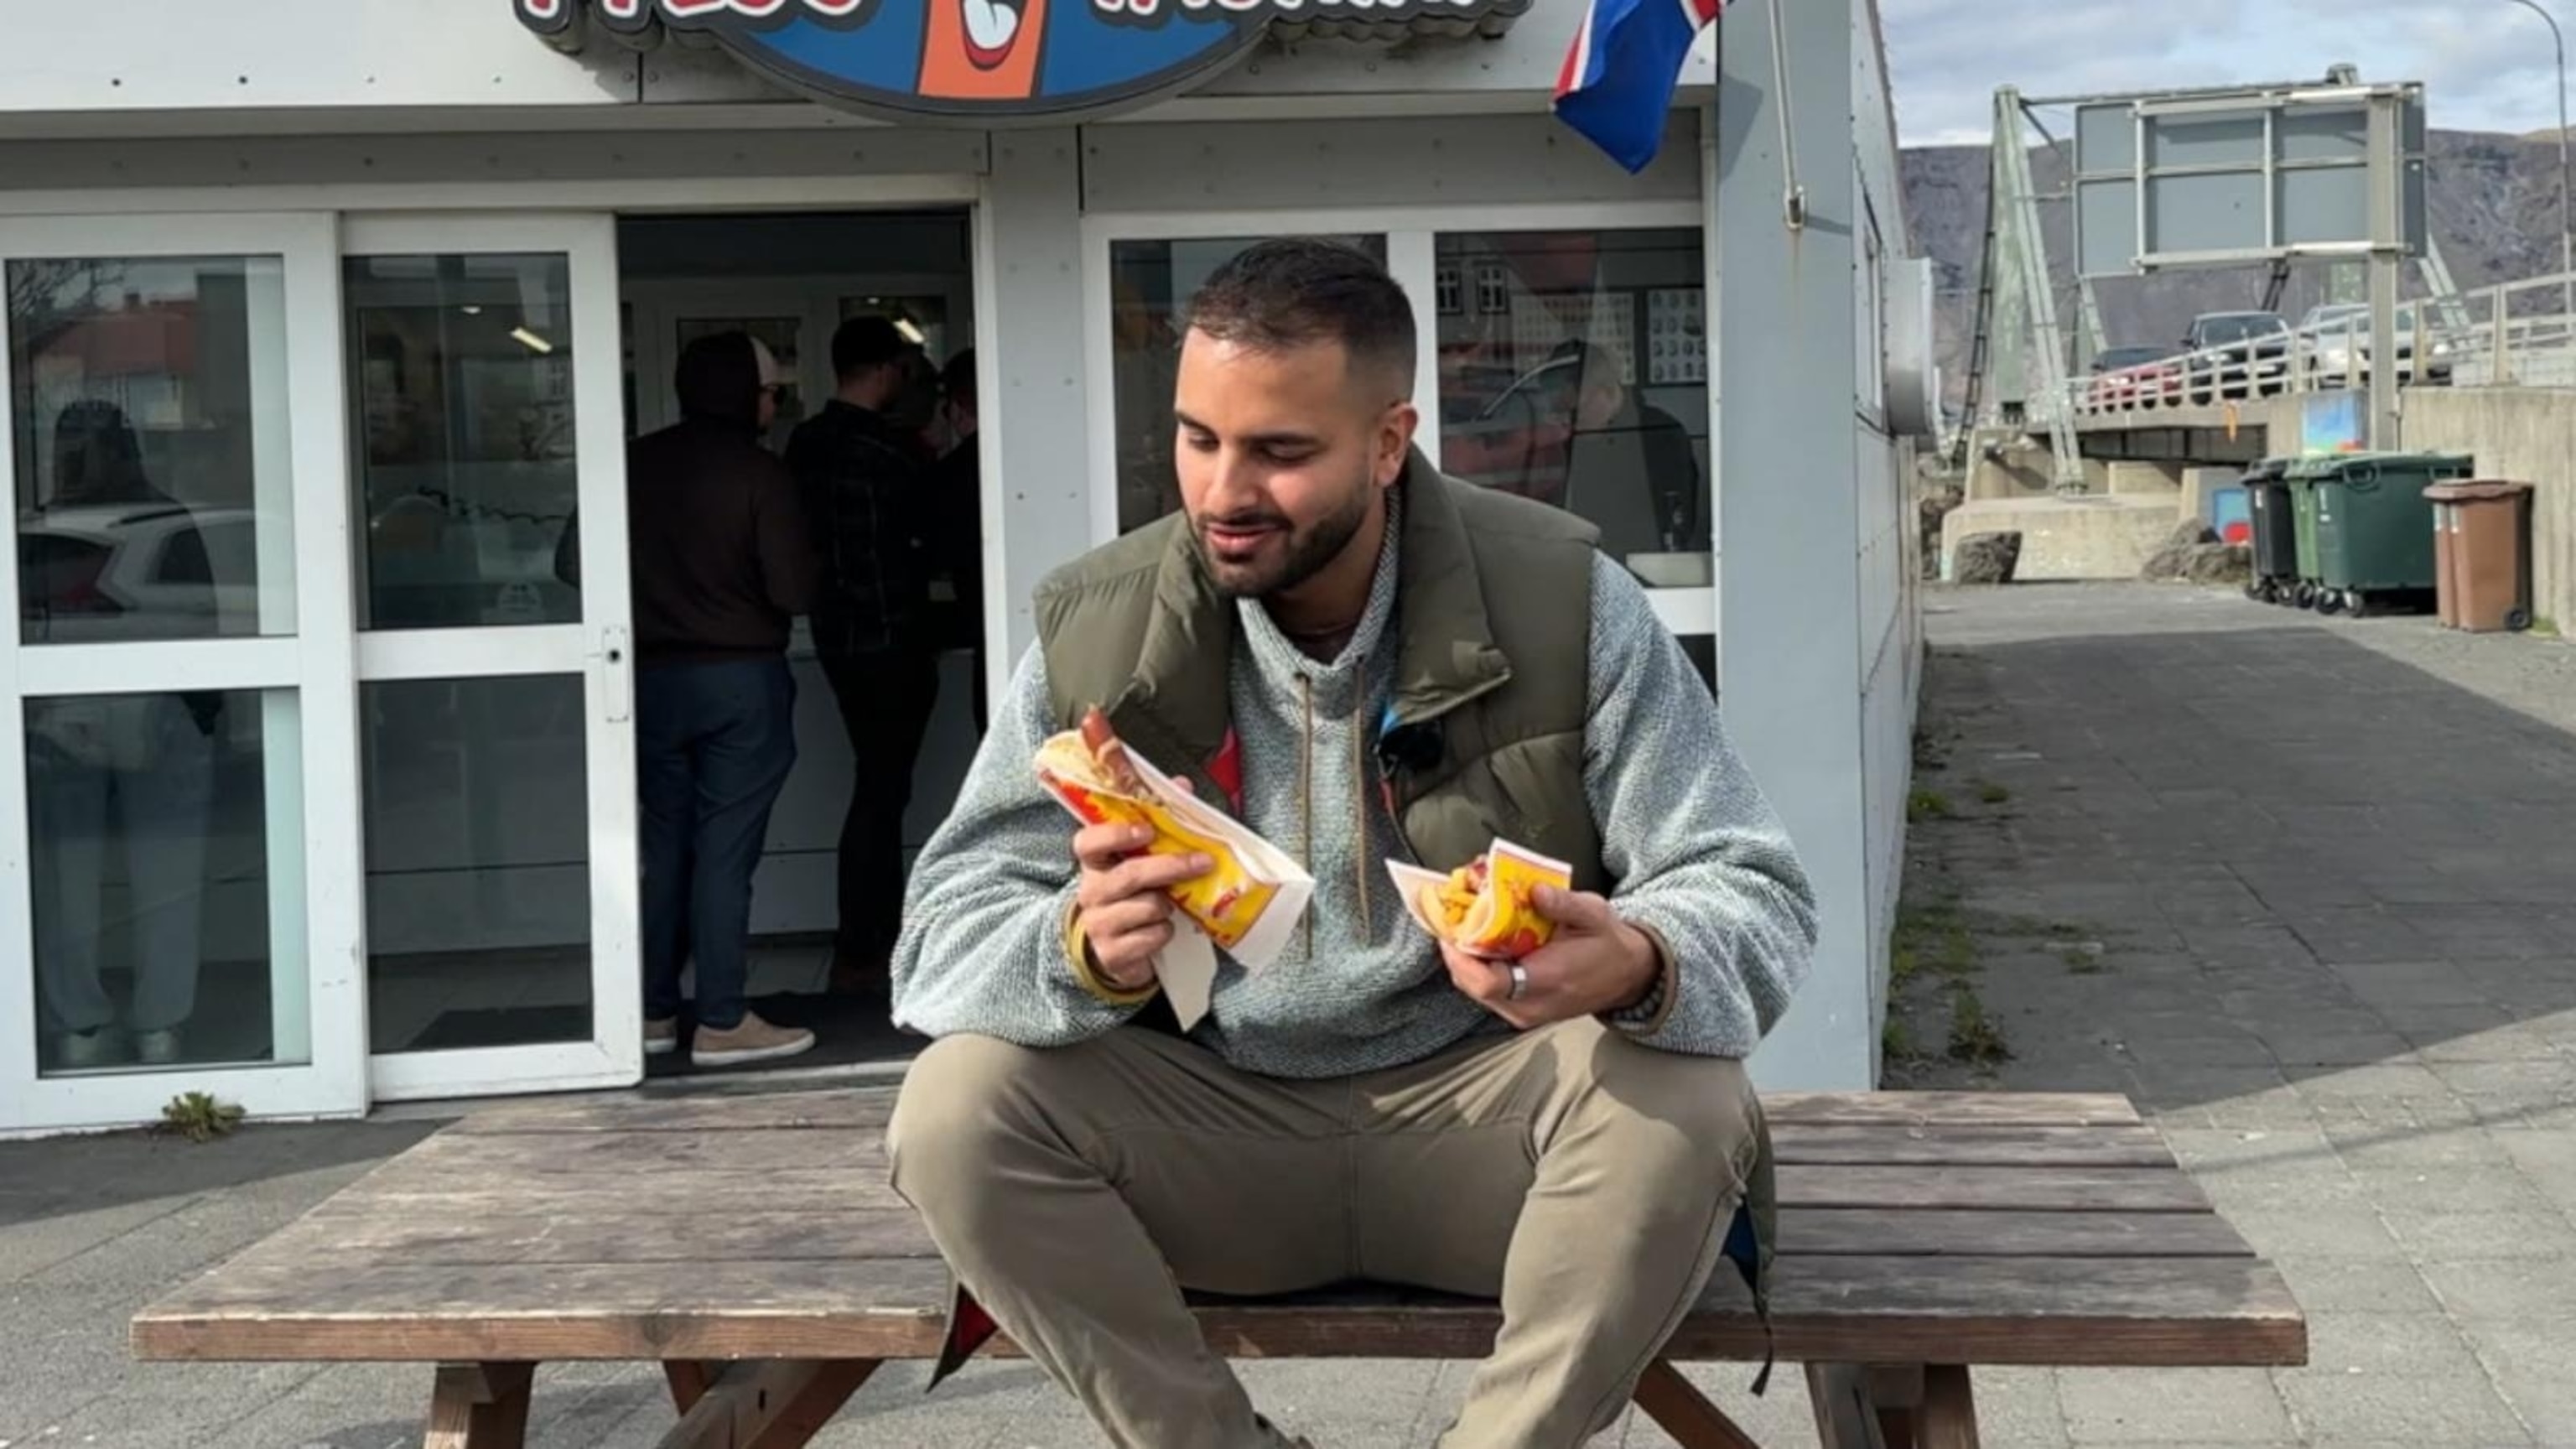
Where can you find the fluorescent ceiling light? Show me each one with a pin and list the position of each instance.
(532, 341)
(910, 333)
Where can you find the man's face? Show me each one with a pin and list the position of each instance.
(1281, 455)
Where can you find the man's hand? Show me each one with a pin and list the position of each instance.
(1125, 913)
(1595, 963)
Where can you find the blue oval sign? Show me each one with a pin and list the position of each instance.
(980, 59)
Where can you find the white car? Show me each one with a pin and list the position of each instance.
(103, 573)
(2336, 338)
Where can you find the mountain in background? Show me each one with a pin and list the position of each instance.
(2494, 202)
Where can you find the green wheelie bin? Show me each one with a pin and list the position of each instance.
(2276, 540)
(2374, 527)
(2300, 587)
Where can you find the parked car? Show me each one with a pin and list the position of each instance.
(2236, 355)
(101, 572)
(2334, 345)
(2126, 377)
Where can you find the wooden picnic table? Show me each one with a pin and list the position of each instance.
(751, 1246)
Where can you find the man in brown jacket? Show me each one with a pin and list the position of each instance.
(722, 566)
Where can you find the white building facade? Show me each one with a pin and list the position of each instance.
(325, 317)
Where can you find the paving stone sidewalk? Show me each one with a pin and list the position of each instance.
(2301, 887)
(2307, 890)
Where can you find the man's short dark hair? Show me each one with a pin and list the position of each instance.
(1299, 291)
(957, 380)
(862, 343)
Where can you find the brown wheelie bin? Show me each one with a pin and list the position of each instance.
(2481, 553)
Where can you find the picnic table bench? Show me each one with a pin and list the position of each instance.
(751, 1246)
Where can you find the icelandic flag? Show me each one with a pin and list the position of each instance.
(1618, 79)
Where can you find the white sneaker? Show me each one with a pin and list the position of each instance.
(157, 1048)
(753, 1041)
(85, 1051)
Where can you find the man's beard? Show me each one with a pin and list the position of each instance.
(1307, 554)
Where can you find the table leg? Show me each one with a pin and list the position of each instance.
(1675, 1403)
(1846, 1413)
(1949, 1417)
(1898, 1393)
(689, 1379)
(480, 1406)
(769, 1404)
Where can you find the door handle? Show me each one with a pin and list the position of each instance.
(616, 665)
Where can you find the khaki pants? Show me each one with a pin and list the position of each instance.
(1583, 1180)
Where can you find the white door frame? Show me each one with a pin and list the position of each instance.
(315, 805)
(1411, 255)
(599, 649)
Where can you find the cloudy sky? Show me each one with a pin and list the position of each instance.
(2486, 64)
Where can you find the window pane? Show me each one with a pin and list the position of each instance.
(166, 857)
(149, 398)
(478, 862)
(466, 480)
(1574, 370)
(1150, 286)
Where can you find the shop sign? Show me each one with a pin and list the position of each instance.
(983, 61)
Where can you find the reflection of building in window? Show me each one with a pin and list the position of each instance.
(164, 342)
(134, 431)
(1560, 387)
(464, 393)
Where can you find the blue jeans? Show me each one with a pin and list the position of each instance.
(714, 743)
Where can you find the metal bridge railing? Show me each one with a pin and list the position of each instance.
(2517, 334)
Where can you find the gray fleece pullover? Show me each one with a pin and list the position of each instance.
(1697, 852)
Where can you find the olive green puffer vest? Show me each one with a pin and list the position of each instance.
(1484, 736)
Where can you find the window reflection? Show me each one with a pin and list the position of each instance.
(153, 884)
(478, 862)
(154, 485)
(1573, 370)
(464, 390)
(1151, 283)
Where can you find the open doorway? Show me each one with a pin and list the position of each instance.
(791, 280)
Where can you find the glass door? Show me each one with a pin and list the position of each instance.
(175, 878)
(494, 675)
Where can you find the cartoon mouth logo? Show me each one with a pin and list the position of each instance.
(992, 28)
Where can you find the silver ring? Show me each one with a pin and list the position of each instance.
(1520, 982)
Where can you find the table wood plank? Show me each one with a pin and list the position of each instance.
(1899, 1145)
(1990, 1109)
(2066, 1311)
(533, 1182)
(340, 1239)
(1942, 1232)
(860, 1107)
(2027, 1189)
(604, 1148)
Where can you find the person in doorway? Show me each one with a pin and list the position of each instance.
(722, 566)
(867, 492)
(1372, 661)
(957, 493)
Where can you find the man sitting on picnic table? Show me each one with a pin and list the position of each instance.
(1370, 661)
